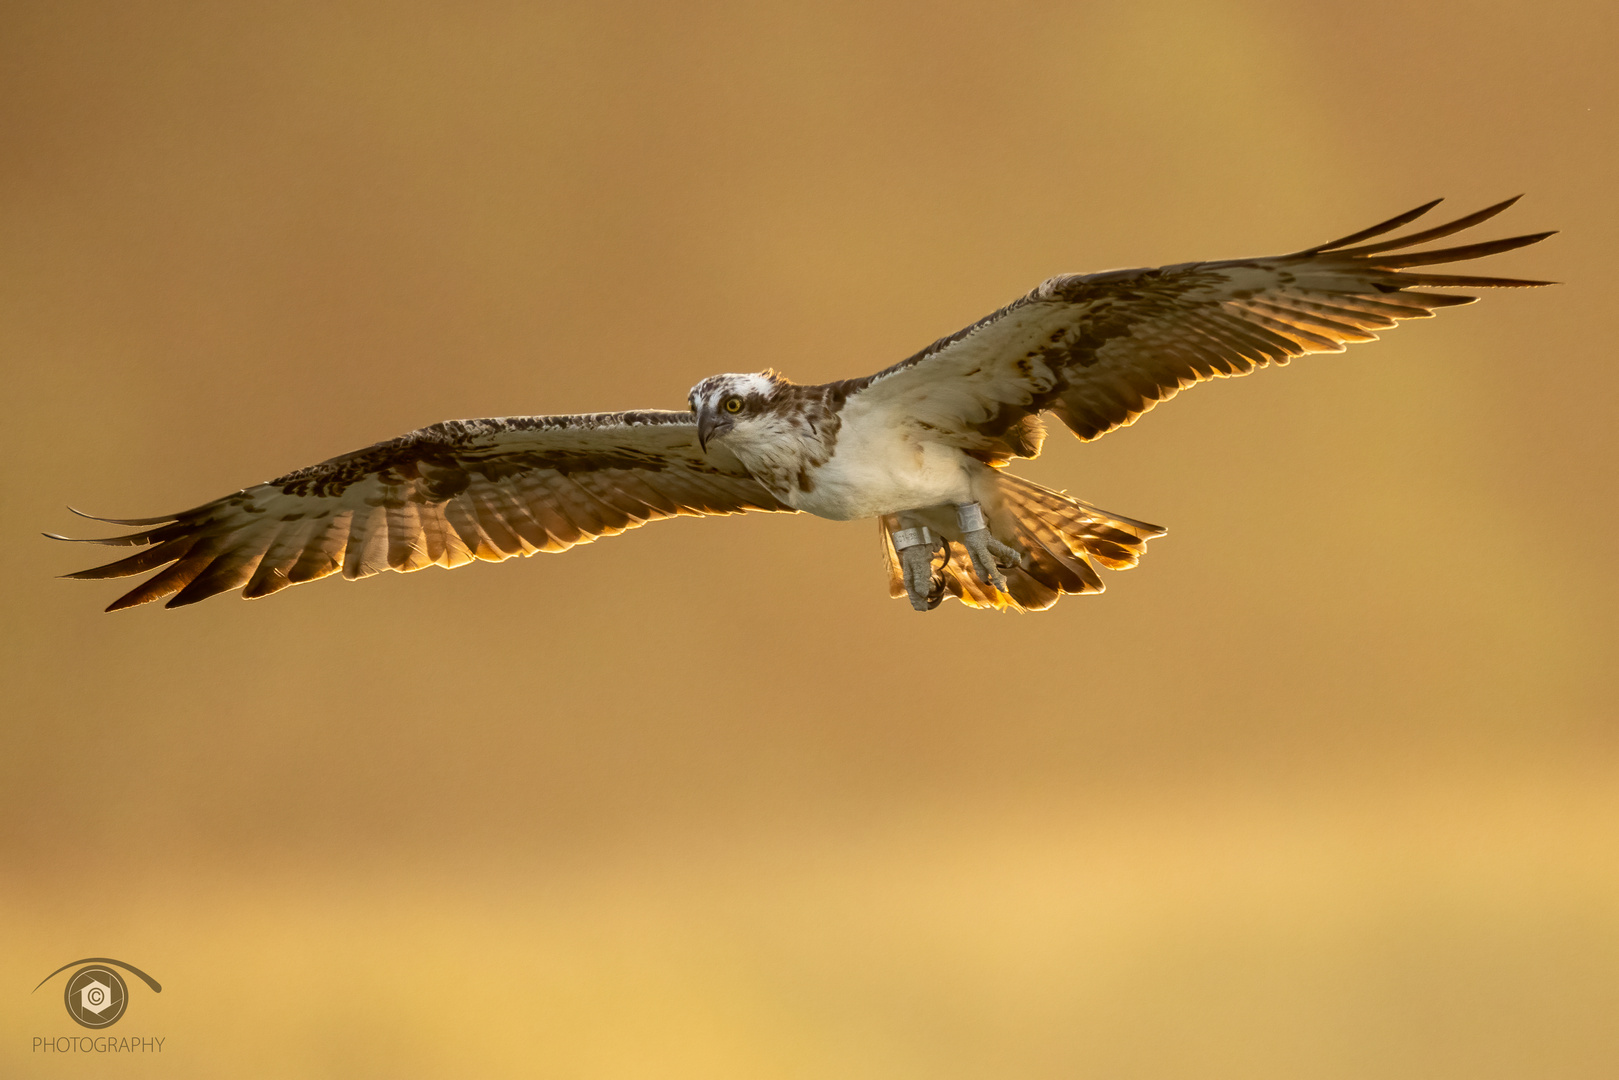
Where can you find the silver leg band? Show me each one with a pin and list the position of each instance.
(970, 516)
(909, 538)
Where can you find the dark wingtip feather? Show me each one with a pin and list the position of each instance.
(167, 582)
(128, 600)
(1376, 230)
(138, 563)
(1457, 254)
(127, 540)
(1466, 221)
(1471, 281)
(1439, 300)
(164, 520)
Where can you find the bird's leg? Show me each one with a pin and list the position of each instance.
(989, 555)
(915, 547)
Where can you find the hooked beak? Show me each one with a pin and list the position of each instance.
(709, 425)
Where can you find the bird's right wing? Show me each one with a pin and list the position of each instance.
(441, 496)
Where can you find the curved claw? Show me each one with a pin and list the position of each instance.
(917, 563)
(989, 555)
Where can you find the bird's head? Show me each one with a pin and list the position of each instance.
(731, 404)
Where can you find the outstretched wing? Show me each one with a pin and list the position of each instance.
(441, 496)
(1098, 350)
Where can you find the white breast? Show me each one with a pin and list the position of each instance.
(880, 467)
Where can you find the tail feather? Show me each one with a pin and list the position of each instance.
(1062, 538)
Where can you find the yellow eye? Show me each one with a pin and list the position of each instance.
(732, 405)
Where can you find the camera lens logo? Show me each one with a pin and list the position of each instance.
(96, 997)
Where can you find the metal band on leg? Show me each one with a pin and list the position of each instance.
(909, 538)
(970, 516)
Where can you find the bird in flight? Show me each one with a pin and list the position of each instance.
(921, 446)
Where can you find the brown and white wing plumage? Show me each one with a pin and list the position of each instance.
(1098, 350)
(441, 496)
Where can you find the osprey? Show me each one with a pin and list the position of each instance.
(921, 446)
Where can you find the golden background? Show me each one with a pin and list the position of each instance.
(1325, 788)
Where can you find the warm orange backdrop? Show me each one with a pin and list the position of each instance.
(1326, 788)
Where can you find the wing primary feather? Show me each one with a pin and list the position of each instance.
(171, 580)
(1456, 254)
(127, 540)
(136, 522)
(141, 561)
(1439, 300)
(281, 552)
(1470, 281)
(1392, 306)
(1435, 233)
(230, 570)
(1376, 230)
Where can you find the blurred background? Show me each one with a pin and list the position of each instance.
(1325, 787)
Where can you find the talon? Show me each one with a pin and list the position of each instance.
(989, 555)
(915, 550)
(1007, 557)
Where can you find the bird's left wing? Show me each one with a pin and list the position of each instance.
(1098, 350)
(441, 496)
